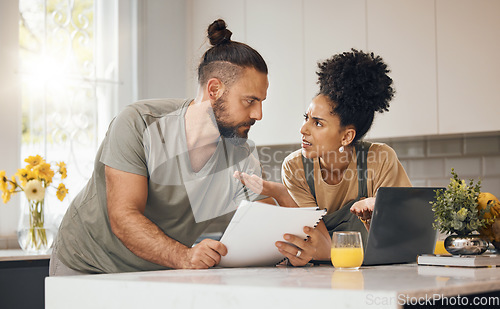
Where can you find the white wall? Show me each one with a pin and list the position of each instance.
(10, 107)
(127, 53)
(162, 38)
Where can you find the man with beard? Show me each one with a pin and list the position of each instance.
(164, 172)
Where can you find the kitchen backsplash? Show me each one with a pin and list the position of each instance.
(428, 161)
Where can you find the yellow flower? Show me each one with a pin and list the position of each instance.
(14, 184)
(3, 181)
(43, 172)
(34, 190)
(6, 196)
(34, 178)
(62, 169)
(6, 192)
(61, 192)
(34, 160)
(25, 175)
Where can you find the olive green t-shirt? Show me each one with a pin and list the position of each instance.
(148, 138)
(383, 170)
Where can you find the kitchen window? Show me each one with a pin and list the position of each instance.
(68, 66)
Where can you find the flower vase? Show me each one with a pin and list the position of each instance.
(471, 244)
(33, 235)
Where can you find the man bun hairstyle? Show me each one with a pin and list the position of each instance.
(218, 33)
(226, 58)
(358, 86)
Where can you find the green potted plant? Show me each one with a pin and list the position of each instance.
(456, 213)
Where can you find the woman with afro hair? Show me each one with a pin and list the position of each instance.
(353, 86)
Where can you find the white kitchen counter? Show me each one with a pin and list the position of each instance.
(273, 287)
(20, 255)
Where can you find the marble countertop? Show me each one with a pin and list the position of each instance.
(271, 287)
(20, 255)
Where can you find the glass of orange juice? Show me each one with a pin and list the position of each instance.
(347, 250)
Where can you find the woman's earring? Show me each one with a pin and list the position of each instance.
(341, 149)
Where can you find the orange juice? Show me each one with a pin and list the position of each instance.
(347, 257)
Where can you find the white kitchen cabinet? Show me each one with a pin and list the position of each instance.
(468, 37)
(292, 44)
(442, 54)
(275, 29)
(330, 27)
(403, 34)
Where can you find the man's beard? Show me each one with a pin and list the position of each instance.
(227, 130)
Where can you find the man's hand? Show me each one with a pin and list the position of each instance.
(254, 183)
(272, 189)
(206, 254)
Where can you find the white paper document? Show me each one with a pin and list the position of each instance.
(255, 227)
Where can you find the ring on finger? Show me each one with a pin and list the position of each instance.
(298, 253)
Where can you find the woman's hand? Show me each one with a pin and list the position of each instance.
(316, 247)
(272, 189)
(364, 209)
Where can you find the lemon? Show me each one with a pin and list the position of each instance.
(483, 199)
(492, 231)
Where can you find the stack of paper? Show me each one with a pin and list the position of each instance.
(255, 227)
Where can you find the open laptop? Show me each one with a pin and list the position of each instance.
(401, 225)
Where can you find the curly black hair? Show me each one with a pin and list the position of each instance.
(357, 84)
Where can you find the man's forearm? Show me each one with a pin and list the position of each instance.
(146, 240)
(126, 198)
